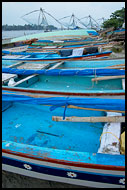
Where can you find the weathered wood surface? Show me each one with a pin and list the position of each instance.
(107, 30)
(33, 66)
(6, 77)
(111, 119)
(56, 65)
(108, 78)
(17, 49)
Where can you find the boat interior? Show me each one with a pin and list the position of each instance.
(47, 135)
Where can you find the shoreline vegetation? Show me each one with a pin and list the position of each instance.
(7, 27)
(116, 20)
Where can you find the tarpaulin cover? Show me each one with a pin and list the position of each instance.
(66, 72)
(94, 103)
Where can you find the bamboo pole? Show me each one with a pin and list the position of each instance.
(111, 119)
(108, 78)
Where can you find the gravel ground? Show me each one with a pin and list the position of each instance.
(11, 180)
(118, 55)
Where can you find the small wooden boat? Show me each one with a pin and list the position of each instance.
(97, 63)
(65, 43)
(58, 34)
(18, 43)
(62, 55)
(80, 143)
(103, 46)
(62, 82)
(100, 63)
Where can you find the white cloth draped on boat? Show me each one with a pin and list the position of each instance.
(110, 143)
(77, 52)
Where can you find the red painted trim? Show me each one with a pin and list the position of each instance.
(62, 48)
(61, 93)
(70, 58)
(65, 162)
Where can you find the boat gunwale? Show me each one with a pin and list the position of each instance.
(65, 162)
(89, 56)
(28, 90)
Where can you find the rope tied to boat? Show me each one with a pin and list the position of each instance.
(77, 72)
(60, 72)
(66, 103)
(111, 134)
(95, 75)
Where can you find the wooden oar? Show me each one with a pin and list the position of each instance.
(111, 119)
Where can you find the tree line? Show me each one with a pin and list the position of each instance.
(116, 19)
(27, 27)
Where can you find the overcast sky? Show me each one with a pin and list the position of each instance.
(12, 11)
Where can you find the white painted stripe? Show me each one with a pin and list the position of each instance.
(44, 163)
(59, 179)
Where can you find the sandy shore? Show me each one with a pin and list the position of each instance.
(11, 180)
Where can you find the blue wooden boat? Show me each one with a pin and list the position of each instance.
(35, 144)
(62, 55)
(87, 41)
(44, 43)
(57, 48)
(100, 63)
(18, 43)
(29, 48)
(72, 82)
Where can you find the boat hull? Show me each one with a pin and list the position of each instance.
(62, 171)
(76, 58)
(44, 93)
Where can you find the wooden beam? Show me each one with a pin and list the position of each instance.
(108, 78)
(123, 67)
(16, 64)
(111, 119)
(57, 65)
(7, 76)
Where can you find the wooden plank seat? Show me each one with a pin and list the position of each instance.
(6, 77)
(12, 56)
(33, 66)
(56, 65)
(32, 78)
